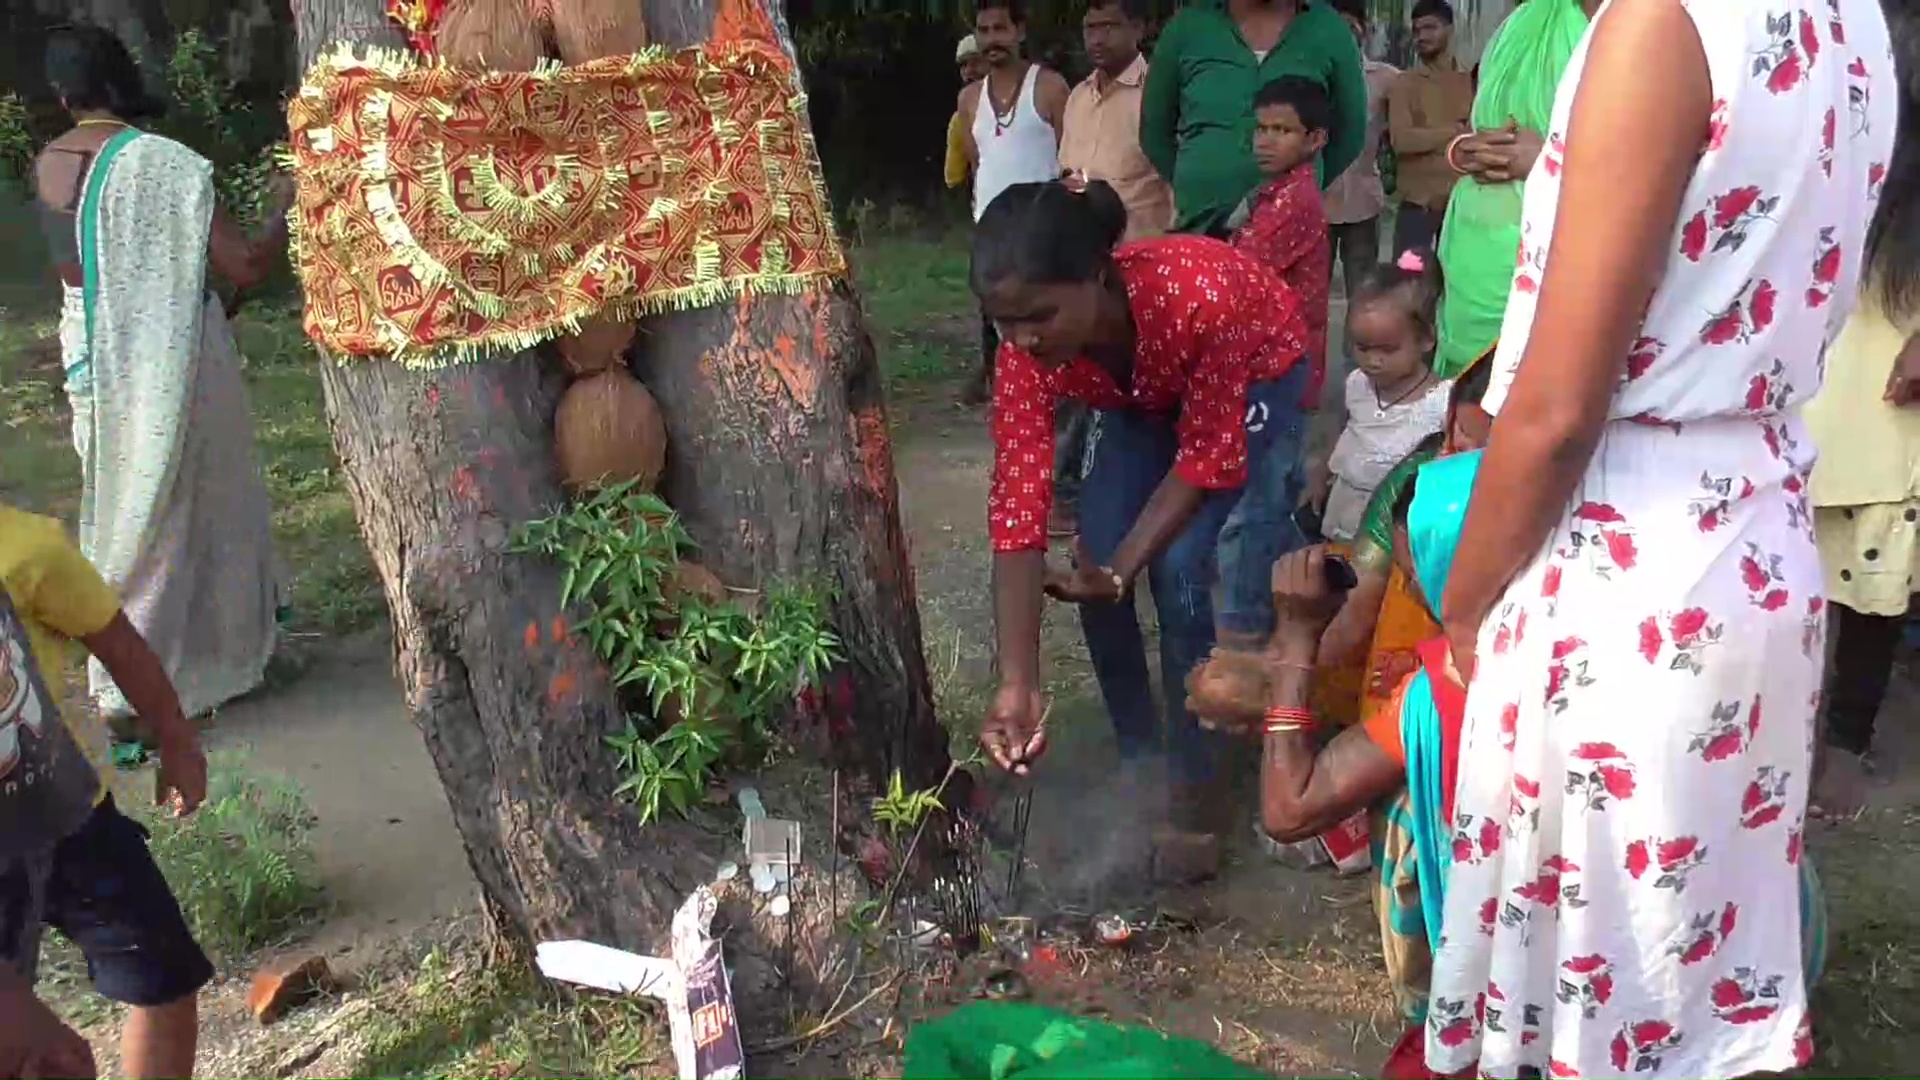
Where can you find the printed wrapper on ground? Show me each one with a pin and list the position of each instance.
(441, 214)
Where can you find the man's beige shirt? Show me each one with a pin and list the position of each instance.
(1101, 137)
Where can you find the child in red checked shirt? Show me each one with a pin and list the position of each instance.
(1193, 358)
(1284, 222)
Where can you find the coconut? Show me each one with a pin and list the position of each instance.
(608, 431)
(690, 579)
(489, 35)
(600, 343)
(586, 30)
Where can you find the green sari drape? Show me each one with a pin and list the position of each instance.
(1519, 74)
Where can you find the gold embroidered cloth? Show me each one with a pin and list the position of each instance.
(442, 213)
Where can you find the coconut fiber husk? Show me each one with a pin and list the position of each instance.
(489, 35)
(600, 343)
(692, 579)
(607, 430)
(444, 215)
(586, 30)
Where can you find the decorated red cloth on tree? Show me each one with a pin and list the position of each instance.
(441, 212)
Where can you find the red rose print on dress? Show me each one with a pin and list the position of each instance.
(1453, 1021)
(1750, 313)
(1523, 806)
(1489, 911)
(1765, 799)
(1769, 392)
(1556, 155)
(1727, 734)
(1562, 1070)
(1760, 573)
(1642, 356)
(1475, 838)
(1813, 628)
(1690, 632)
(1567, 670)
(1587, 982)
(1828, 132)
(1710, 510)
(1717, 125)
(1550, 586)
(1876, 179)
(1641, 1047)
(1670, 861)
(1705, 933)
(1795, 845)
(1746, 998)
(1600, 773)
(1826, 270)
(1531, 264)
(1803, 1035)
(1602, 530)
(1859, 95)
(1836, 27)
(1781, 62)
(1728, 222)
(1556, 884)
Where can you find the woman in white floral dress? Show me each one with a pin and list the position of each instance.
(1638, 596)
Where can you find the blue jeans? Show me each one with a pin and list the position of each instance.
(1236, 535)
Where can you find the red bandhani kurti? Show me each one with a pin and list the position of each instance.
(1286, 229)
(1208, 322)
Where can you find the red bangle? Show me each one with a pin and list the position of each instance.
(1279, 720)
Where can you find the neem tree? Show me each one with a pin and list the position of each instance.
(778, 463)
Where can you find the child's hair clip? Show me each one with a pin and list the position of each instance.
(1412, 262)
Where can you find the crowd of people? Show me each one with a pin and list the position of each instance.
(1555, 607)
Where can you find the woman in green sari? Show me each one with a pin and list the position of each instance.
(1478, 244)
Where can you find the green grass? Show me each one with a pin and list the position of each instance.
(461, 1016)
(919, 309)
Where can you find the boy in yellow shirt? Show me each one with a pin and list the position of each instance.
(103, 891)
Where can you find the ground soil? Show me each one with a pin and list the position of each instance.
(1277, 966)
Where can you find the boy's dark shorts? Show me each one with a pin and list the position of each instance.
(102, 889)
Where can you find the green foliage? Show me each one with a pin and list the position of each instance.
(242, 867)
(712, 673)
(901, 810)
(209, 115)
(16, 143)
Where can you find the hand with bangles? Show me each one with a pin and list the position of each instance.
(1230, 692)
(1497, 155)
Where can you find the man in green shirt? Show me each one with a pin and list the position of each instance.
(1196, 114)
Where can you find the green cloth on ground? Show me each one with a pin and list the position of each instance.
(1196, 113)
(1519, 74)
(997, 1040)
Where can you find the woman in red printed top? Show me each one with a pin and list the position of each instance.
(1191, 356)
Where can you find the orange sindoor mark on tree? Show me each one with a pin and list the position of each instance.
(558, 630)
(466, 487)
(800, 374)
(742, 20)
(532, 635)
(563, 687)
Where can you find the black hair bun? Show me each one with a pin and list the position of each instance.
(1109, 213)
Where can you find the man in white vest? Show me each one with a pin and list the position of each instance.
(1014, 137)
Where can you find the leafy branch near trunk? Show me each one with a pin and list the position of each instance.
(712, 672)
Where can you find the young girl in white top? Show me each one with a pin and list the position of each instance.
(1393, 398)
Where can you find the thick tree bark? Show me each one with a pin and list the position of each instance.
(779, 463)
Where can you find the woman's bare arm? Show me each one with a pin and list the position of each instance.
(1639, 122)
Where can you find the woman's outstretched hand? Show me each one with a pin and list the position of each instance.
(1084, 582)
(1015, 732)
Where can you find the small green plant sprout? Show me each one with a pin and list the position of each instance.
(900, 810)
(713, 675)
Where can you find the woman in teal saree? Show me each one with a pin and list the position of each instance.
(1402, 762)
(174, 510)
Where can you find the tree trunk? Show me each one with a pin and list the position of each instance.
(779, 462)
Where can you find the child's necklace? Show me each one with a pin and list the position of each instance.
(1381, 407)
